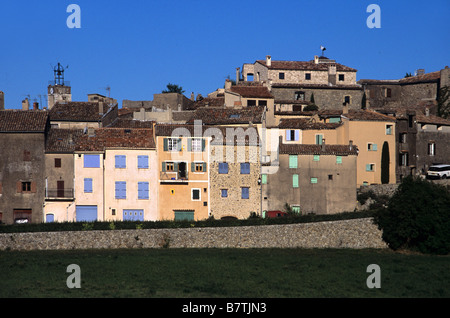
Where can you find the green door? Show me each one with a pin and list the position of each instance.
(184, 215)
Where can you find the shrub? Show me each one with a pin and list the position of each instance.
(417, 217)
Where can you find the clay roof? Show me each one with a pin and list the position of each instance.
(211, 101)
(425, 78)
(305, 124)
(131, 123)
(23, 120)
(308, 149)
(318, 86)
(218, 116)
(77, 111)
(62, 140)
(304, 65)
(357, 115)
(251, 91)
(104, 138)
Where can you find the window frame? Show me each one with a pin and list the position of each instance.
(199, 194)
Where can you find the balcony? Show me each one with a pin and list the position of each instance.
(174, 176)
(59, 194)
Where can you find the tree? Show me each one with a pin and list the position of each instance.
(385, 163)
(312, 99)
(173, 88)
(364, 101)
(443, 100)
(408, 75)
(311, 107)
(417, 217)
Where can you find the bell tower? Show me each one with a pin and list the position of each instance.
(58, 89)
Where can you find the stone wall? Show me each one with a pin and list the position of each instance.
(357, 233)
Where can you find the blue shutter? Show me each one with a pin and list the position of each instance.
(143, 190)
(88, 185)
(288, 135)
(245, 168)
(245, 193)
(91, 161)
(223, 168)
(142, 162)
(86, 213)
(297, 135)
(121, 190)
(121, 161)
(224, 193)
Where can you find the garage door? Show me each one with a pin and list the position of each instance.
(181, 215)
(86, 213)
(133, 215)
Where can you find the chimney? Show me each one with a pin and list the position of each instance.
(322, 146)
(268, 61)
(427, 112)
(2, 100)
(351, 144)
(91, 131)
(420, 71)
(316, 59)
(25, 104)
(227, 84)
(100, 108)
(35, 105)
(238, 76)
(192, 97)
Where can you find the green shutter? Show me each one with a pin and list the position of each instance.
(204, 167)
(192, 166)
(313, 180)
(163, 166)
(203, 144)
(189, 142)
(179, 144)
(295, 180)
(264, 178)
(166, 144)
(316, 157)
(338, 159)
(293, 163)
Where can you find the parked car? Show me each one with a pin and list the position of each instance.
(275, 214)
(441, 171)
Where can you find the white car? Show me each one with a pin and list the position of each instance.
(438, 172)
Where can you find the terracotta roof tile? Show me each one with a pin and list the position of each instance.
(116, 138)
(357, 115)
(305, 124)
(222, 116)
(308, 149)
(251, 91)
(62, 140)
(23, 120)
(304, 65)
(77, 111)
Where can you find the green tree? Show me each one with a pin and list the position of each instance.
(312, 98)
(364, 101)
(417, 217)
(311, 107)
(173, 88)
(385, 163)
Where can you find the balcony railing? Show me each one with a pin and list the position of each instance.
(174, 176)
(59, 193)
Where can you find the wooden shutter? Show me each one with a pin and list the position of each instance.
(19, 187)
(166, 144)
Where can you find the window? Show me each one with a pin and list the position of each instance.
(121, 161)
(196, 144)
(388, 129)
(223, 168)
(224, 193)
(251, 102)
(26, 155)
(316, 158)
(402, 138)
(172, 144)
(370, 167)
(404, 159)
(262, 103)
(341, 77)
(346, 99)
(410, 121)
(198, 166)
(308, 76)
(299, 95)
(142, 162)
(91, 161)
(57, 162)
(313, 180)
(293, 161)
(143, 190)
(121, 190)
(168, 166)
(432, 149)
(195, 195)
(295, 209)
(281, 75)
(387, 92)
(26, 186)
(245, 168)
(339, 160)
(319, 139)
(264, 178)
(295, 180)
(371, 147)
(292, 135)
(87, 185)
(330, 177)
(245, 193)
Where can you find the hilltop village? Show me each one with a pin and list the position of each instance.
(302, 136)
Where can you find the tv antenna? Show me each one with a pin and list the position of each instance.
(322, 48)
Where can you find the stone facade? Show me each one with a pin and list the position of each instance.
(356, 233)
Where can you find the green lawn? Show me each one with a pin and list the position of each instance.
(237, 273)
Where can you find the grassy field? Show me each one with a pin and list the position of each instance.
(237, 273)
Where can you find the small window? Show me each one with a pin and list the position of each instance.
(195, 194)
(245, 192)
(402, 138)
(299, 95)
(142, 162)
(26, 186)
(295, 180)
(308, 76)
(168, 166)
(313, 180)
(251, 102)
(57, 162)
(295, 209)
(26, 155)
(292, 135)
(370, 167)
(387, 92)
(341, 77)
(339, 160)
(372, 147)
(262, 103)
(172, 144)
(404, 159)
(198, 167)
(281, 75)
(319, 139)
(389, 129)
(120, 161)
(347, 99)
(196, 144)
(316, 158)
(223, 168)
(293, 161)
(245, 168)
(224, 193)
(432, 149)
(330, 177)
(87, 185)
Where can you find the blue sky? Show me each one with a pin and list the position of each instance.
(137, 47)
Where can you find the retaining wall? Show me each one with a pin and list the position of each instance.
(357, 233)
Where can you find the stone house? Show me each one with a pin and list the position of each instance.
(22, 165)
(312, 178)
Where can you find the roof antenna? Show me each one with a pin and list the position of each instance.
(323, 49)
